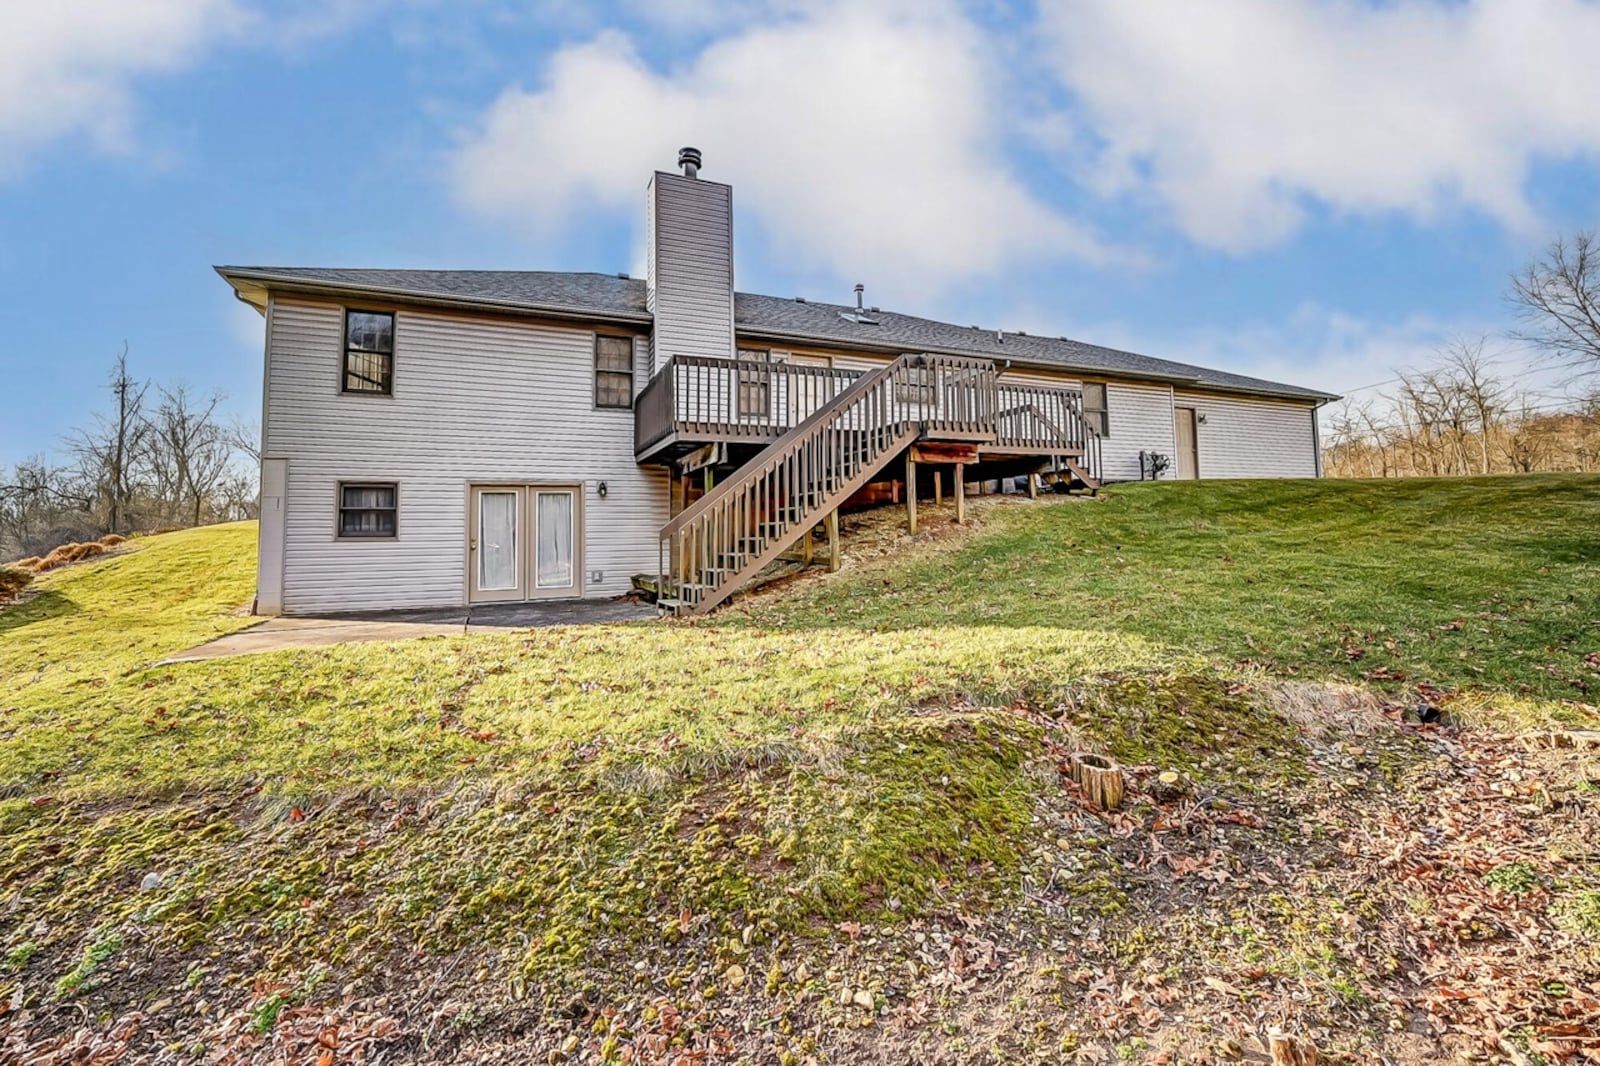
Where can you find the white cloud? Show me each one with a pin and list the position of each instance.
(1236, 116)
(68, 68)
(860, 139)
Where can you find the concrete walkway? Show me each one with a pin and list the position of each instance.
(272, 634)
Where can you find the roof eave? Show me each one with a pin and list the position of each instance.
(1188, 380)
(244, 281)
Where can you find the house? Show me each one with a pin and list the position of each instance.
(432, 438)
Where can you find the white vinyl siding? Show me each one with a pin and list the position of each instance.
(689, 287)
(1141, 420)
(1244, 437)
(474, 401)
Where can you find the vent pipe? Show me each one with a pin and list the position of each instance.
(689, 160)
(860, 291)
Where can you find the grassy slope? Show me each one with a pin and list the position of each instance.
(1468, 582)
(698, 799)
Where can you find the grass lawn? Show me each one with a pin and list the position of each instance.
(647, 838)
(1491, 582)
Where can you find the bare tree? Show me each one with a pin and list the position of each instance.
(1475, 391)
(245, 437)
(108, 452)
(189, 452)
(1557, 297)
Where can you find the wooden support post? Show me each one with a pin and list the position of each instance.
(938, 487)
(911, 493)
(831, 524)
(1033, 485)
(677, 492)
(805, 548)
(961, 494)
(710, 479)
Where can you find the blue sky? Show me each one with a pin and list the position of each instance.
(1316, 191)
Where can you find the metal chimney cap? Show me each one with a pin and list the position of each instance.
(689, 160)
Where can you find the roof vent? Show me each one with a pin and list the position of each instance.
(799, 299)
(859, 316)
(689, 160)
(624, 277)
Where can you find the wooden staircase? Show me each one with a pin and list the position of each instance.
(728, 535)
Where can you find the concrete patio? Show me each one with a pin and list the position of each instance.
(273, 634)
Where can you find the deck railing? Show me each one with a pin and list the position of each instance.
(713, 399)
(834, 431)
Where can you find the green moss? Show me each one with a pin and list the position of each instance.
(1514, 877)
(20, 956)
(82, 976)
(1579, 913)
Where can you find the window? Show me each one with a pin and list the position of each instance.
(613, 371)
(369, 352)
(755, 381)
(368, 510)
(1095, 412)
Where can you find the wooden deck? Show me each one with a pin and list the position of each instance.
(696, 401)
(831, 436)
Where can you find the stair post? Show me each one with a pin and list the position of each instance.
(911, 493)
(831, 524)
(961, 494)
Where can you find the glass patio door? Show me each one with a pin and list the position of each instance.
(495, 545)
(554, 557)
(524, 542)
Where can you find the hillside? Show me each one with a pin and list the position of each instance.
(831, 824)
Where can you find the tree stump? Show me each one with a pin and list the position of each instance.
(1100, 778)
(1291, 1050)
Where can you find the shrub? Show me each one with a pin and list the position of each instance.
(69, 553)
(59, 556)
(111, 540)
(30, 564)
(88, 550)
(13, 580)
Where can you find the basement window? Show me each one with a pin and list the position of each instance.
(1095, 410)
(368, 510)
(369, 353)
(613, 371)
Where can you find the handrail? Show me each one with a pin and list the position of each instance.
(764, 458)
(779, 495)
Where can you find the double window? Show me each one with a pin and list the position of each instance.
(1095, 411)
(755, 382)
(369, 352)
(369, 510)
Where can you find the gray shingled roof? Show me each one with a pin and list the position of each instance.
(590, 295)
(608, 296)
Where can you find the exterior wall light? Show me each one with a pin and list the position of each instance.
(1200, 418)
(601, 489)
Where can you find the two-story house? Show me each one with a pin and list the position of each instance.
(432, 438)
